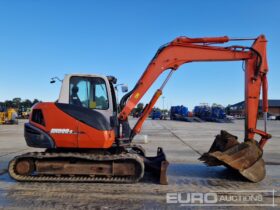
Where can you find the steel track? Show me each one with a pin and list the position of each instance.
(78, 178)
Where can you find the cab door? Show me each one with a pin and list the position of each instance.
(91, 93)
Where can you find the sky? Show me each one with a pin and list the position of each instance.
(40, 39)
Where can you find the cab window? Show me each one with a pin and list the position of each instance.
(88, 92)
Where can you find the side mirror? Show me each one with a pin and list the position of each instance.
(124, 88)
(53, 79)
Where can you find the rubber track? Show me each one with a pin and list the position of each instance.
(78, 178)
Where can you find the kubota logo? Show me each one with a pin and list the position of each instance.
(61, 131)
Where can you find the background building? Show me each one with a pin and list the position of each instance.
(238, 108)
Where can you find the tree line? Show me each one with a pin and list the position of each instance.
(18, 103)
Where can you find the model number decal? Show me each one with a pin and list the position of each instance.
(61, 131)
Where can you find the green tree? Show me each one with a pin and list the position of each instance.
(26, 103)
(139, 107)
(35, 101)
(16, 102)
(227, 109)
(8, 103)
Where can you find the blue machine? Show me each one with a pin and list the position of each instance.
(177, 111)
(218, 113)
(203, 112)
(156, 114)
(211, 114)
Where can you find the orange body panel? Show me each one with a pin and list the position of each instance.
(81, 135)
(92, 138)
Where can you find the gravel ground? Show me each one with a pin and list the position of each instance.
(182, 142)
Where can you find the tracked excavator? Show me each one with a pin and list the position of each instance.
(87, 137)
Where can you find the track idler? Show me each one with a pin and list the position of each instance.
(244, 157)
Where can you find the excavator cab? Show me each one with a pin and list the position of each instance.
(95, 92)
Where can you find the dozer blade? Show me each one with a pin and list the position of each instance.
(244, 157)
(158, 166)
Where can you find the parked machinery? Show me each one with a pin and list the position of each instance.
(156, 114)
(178, 111)
(182, 113)
(24, 112)
(215, 113)
(8, 116)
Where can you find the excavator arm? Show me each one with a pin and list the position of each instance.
(184, 50)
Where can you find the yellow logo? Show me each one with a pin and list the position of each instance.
(137, 95)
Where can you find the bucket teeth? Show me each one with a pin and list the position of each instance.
(244, 157)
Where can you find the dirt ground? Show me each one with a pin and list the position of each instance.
(182, 142)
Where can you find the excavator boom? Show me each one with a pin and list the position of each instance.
(184, 50)
(245, 157)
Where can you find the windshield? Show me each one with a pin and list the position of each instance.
(89, 92)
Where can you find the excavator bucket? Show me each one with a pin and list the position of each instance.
(244, 157)
(157, 166)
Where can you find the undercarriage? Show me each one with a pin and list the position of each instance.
(127, 166)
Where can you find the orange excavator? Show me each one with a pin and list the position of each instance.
(87, 136)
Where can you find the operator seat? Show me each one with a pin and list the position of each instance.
(75, 100)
